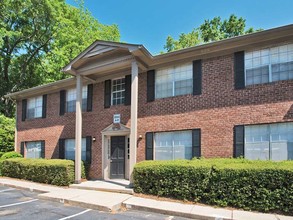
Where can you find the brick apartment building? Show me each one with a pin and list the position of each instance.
(228, 98)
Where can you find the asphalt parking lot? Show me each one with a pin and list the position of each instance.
(25, 205)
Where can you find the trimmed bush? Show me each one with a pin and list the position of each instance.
(52, 171)
(264, 186)
(11, 154)
(1, 161)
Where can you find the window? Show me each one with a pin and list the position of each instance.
(71, 99)
(269, 65)
(118, 91)
(173, 145)
(35, 107)
(269, 142)
(173, 81)
(34, 149)
(70, 149)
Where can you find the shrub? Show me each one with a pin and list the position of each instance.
(7, 126)
(1, 153)
(1, 167)
(11, 154)
(52, 171)
(264, 186)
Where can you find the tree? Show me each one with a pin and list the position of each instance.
(38, 37)
(6, 134)
(210, 30)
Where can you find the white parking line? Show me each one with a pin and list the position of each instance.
(19, 203)
(6, 190)
(72, 216)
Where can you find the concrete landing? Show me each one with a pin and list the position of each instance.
(103, 201)
(116, 186)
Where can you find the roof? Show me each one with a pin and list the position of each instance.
(137, 51)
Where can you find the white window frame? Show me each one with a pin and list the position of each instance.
(83, 148)
(270, 63)
(37, 103)
(173, 73)
(117, 91)
(37, 149)
(72, 93)
(173, 147)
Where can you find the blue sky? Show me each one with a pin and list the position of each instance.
(149, 22)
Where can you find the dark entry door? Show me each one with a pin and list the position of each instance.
(117, 163)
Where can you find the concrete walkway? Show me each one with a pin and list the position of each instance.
(117, 186)
(113, 201)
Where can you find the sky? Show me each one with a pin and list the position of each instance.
(149, 22)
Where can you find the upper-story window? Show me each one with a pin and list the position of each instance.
(118, 91)
(269, 65)
(174, 81)
(71, 99)
(35, 107)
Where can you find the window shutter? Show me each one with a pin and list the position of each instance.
(196, 143)
(150, 85)
(107, 97)
(238, 141)
(61, 148)
(197, 77)
(89, 97)
(44, 110)
(149, 146)
(62, 102)
(24, 107)
(88, 149)
(127, 90)
(42, 149)
(22, 148)
(239, 77)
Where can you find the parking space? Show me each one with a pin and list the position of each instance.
(25, 205)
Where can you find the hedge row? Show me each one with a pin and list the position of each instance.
(264, 186)
(52, 171)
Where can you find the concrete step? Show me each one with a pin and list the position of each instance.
(103, 201)
(104, 186)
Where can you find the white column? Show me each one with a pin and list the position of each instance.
(133, 128)
(78, 129)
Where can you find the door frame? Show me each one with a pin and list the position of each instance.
(106, 144)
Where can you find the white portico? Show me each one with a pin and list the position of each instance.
(99, 62)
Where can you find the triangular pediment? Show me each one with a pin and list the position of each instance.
(116, 128)
(99, 49)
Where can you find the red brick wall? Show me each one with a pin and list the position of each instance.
(54, 127)
(215, 112)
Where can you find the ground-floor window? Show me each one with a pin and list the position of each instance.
(173, 145)
(70, 149)
(34, 149)
(269, 141)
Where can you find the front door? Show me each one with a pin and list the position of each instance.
(117, 162)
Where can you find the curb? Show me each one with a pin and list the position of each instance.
(80, 204)
(24, 188)
(173, 213)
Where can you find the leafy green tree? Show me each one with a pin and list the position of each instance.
(210, 30)
(38, 37)
(6, 134)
